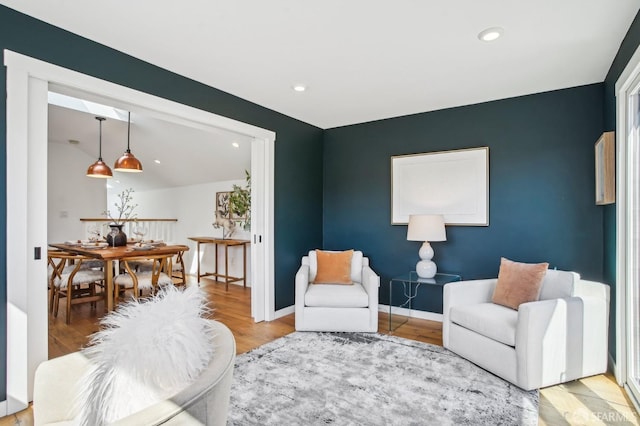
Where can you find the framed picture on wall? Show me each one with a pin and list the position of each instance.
(454, 184)
(222, 204)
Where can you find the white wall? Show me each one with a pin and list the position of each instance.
(194, 207)
(71, 195)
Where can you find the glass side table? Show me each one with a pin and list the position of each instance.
(411, 283)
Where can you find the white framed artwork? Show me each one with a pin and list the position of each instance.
(454, 184)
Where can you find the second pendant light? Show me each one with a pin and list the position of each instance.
(128, 162)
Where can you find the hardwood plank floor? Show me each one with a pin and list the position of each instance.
(594, 400)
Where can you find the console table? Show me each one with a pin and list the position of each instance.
(226, 243)
(411, 283)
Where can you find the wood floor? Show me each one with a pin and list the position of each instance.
(591, 401)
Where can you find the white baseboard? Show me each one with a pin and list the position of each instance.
(412, 313)
(3, 408)
(284, 311)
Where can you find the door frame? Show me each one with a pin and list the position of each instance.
(624, 201)
(28, 81)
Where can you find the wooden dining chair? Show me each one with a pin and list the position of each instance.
(59, 262)
(178, 272)
(147, 278)
(73, 281)
(175, 264)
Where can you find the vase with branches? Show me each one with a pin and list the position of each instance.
(125, 207)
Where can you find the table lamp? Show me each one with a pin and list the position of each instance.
(426, 227)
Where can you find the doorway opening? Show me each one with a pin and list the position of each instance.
(28, 83)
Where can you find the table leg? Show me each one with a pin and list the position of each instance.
(390, 288)
(226, 267)
(244, 265)
(216, 270)
(108, 278)
(198, 256)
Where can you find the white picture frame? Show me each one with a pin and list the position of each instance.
(452, 183)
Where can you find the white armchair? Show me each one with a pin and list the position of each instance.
(205, 401)
(559, 338)
(333, 307)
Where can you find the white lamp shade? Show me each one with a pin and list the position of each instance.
(426, 227)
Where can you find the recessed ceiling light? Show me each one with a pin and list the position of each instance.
(156, 161)
(299, 87)
(490, 34)
(235, 144)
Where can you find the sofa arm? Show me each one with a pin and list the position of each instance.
(371, 284)
(541, 342)
(302, 282)
(55, 388)
(468, 292)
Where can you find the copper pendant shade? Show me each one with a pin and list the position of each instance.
(128, 162)
(99, 169)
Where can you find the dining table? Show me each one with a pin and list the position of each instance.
(109, 255)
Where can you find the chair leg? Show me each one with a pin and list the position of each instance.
(51, 296)
(69, 297)
(56, 303)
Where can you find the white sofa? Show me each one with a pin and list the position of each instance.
(560, 337)
(331, 307)
(204, 402)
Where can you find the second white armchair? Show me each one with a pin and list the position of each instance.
(562, 336)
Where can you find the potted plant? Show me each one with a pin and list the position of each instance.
(240, 202)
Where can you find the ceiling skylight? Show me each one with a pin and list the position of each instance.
(87, 106)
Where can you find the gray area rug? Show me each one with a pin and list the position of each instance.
(310, 378)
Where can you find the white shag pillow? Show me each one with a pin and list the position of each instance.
(146, 352)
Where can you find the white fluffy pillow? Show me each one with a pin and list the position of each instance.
(146, 352)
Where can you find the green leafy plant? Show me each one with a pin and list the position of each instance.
(240, 202)
(124, 206)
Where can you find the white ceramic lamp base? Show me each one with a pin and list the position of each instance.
(426, 268)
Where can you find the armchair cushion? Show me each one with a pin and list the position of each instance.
(518, 283)
(337, 296)
(356, 266)
(333, 267)
(487, 319)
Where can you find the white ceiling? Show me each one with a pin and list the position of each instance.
(362, 60)
(188, 156)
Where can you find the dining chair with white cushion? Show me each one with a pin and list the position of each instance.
(146, 279)
(73, 281)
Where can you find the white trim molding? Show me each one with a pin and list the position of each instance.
(28, 81)
(411, 313)
(624, 198)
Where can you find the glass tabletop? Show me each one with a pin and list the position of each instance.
(438, 279)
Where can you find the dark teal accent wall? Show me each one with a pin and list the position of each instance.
(541, 187)
(298, 147)
(627, 49)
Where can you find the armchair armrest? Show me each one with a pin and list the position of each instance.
(55, 388)
(302, 282)
(467, 293)
(541, 342)
(371, 283)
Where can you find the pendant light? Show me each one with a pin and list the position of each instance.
(99, 169)
(128, 162)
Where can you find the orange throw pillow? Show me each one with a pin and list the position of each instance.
(334, 267)
(518, 283)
